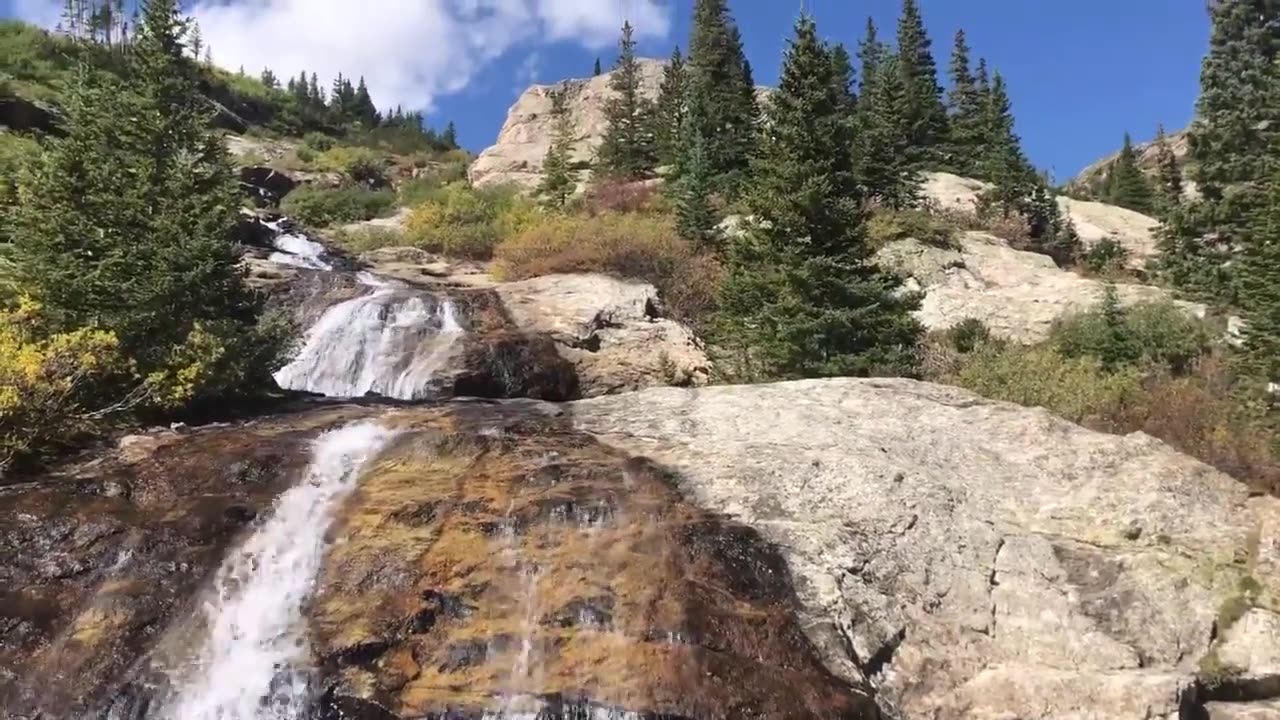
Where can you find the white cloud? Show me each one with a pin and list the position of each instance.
(410, 52)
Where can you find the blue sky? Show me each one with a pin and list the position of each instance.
(1081, 72)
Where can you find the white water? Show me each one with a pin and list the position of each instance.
(297, 250)
(388, 342)
(255, 664)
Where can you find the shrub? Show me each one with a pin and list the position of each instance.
(360, 164)
(369, 238)
(320, 207)
(620, 197)
(888, 225)
(1078, 389)
(644, 247)
(1159, 333)
(305, 155)
(429, 181)
(318, 142)
(461, 221)
(1012, 228)
(50, 386)
(1106, 257)
(968, 334)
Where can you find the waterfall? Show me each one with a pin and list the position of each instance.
(297, 249)
(390, 342)
(255, 662)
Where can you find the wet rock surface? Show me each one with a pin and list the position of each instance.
(95, 561)
(549, 572)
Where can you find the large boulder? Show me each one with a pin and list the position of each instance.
(26, 115)
(970, 558)
(1017, 294)
(613, 331)
(516, 157)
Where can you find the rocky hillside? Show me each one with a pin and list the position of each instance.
(1095, 175)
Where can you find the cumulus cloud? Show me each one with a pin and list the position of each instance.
(410, 52)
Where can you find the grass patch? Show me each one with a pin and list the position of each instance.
(461, 221)
(888, 225)
(368, 238)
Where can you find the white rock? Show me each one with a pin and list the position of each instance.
(974, 559)
(1017, 294)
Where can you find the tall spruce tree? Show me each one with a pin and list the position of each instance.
(966, 105)
(1260, 288)
(1127, 186)
(802, 297)
(127, 225)
(629, 149)
(1002, 162)
(842, 71)
(595, 70)
(870, 52)
(557, 177)
(881, 145)
(1237, 122)
(727, 123)
(450, 135)
(1168, 174)
(269, 79)
(691, 191)
(925, 115)
(670, 109)
(362, 106)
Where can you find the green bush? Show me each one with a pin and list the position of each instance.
(968, 334)
(1106, 257)
(321, 207)
(305, 155)
(461, 221)
(1157, 333)
(369, 238)
(430, 180)
(319, 142)
(1074, 388)
(888, 225)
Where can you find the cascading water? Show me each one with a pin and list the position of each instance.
(255, 663)
(390, 342)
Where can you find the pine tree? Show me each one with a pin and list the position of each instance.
(628, 150)
(727, 124)
(208, 56)
(315, 96)
(842, 71)
(449, 138)
(557, 179)
(802, 297)
(127, 225)
(362, 105)
(195, 40)
(691, 191)
(870, 52)
(925, 115)
(882, 144)
(1260, 288)
(1127, 187)
(1002, 162)
(670, 110)
(1168, 175)
(966, 105)
(1237, 123)
(595, 71)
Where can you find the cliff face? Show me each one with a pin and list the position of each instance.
(516, 157)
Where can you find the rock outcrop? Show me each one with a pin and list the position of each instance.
(1016, 294)
(1094, 221)
(1093, 177)
(974, 559)
(516, 157)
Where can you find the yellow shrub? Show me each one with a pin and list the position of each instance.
(646, 247)
(49, 386)
(461, 221)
